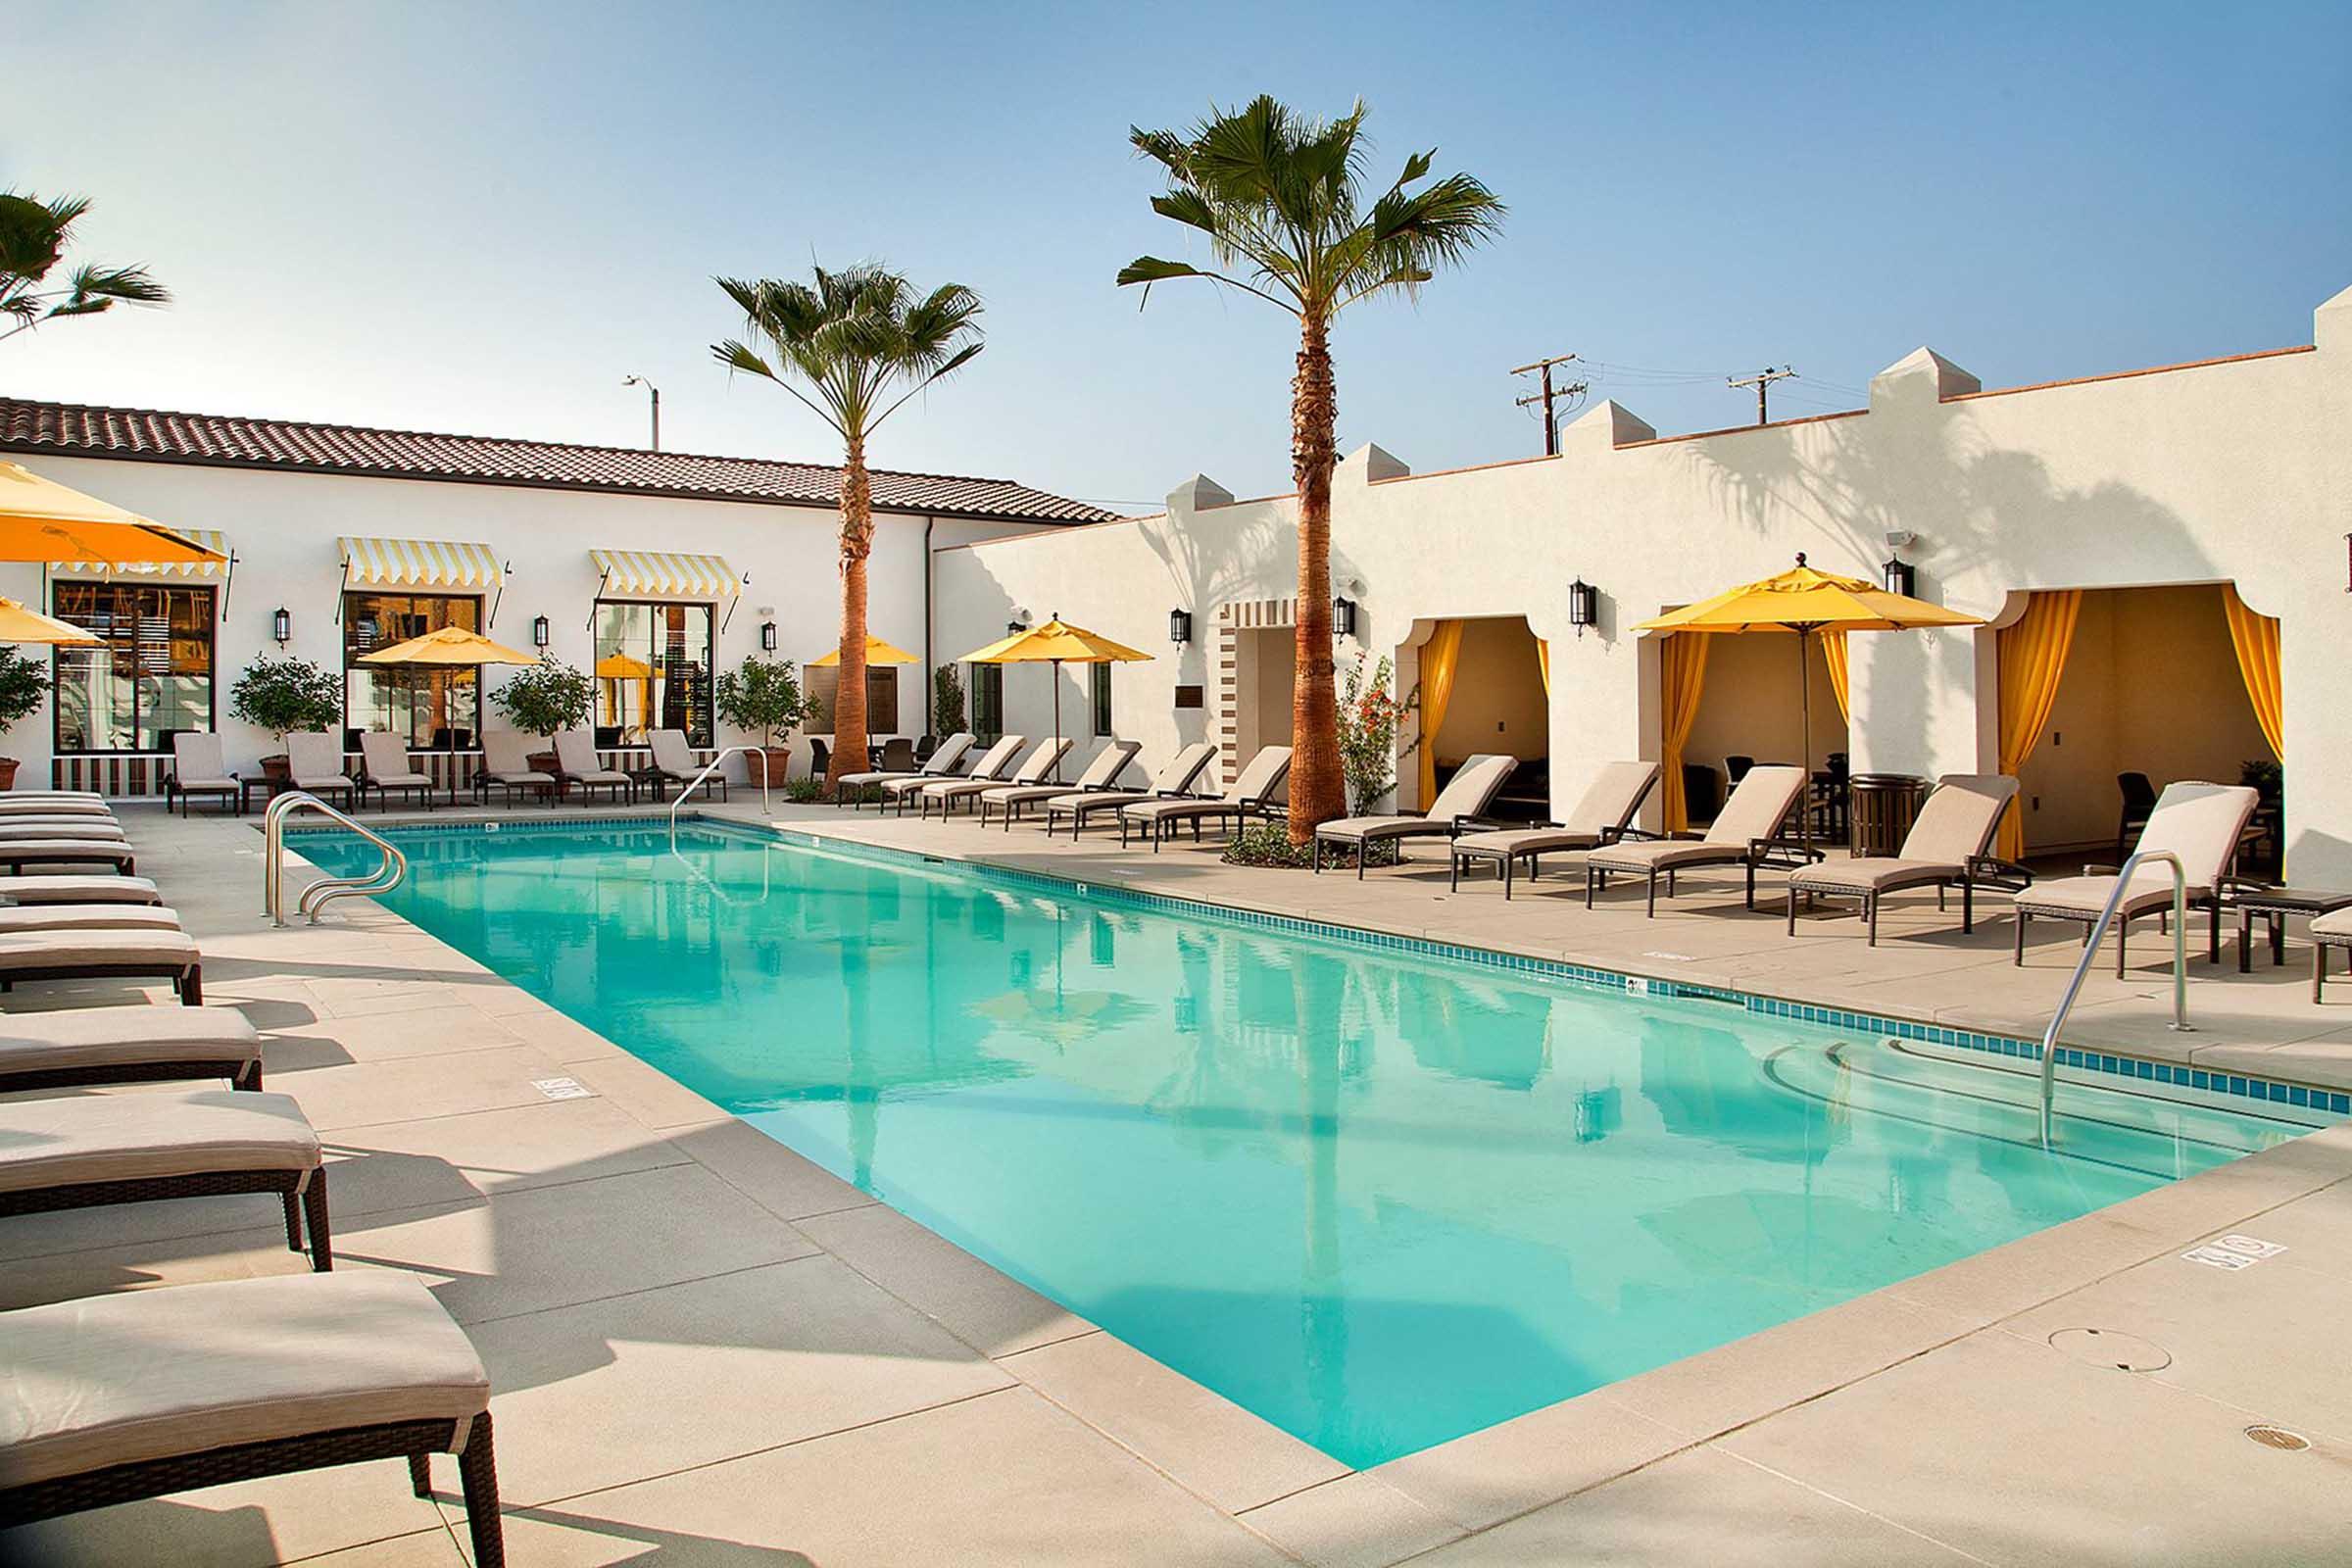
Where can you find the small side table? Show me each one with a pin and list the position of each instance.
(2273, 906)
(269, 786)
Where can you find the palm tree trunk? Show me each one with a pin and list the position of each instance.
(856, 544)
(1318, 788)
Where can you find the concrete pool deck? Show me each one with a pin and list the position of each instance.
(705, 1350)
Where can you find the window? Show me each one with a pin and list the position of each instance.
(988, 701)
(653, 671)
(1098, 683)
(425, 706)
(824, 684)
(148, 678)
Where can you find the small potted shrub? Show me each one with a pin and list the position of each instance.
(544, 697)
(25, 683)
(765, 694)
(946, 701)
(286, 696)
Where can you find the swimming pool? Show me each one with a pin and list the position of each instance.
(1380, 1198)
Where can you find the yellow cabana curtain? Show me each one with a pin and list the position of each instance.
(1544, 662)
(1683, 674)
(2032, 659)
(1441, 656)
(1833, 654)
(2256, 638)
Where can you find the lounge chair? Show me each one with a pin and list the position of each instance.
(1465, 798)
(1172, 782)
(578, 764)
(18, 854)
(1041, 760)
(994, 764)
(85, 1152)
(942, 764)
(506, 765)
(1251, 795)
(16, 921)
(13, 805)
(138, 1044)
(1603, 817)
(2200, 823)
(105, 955)
(315, 766)
(141, 1393)
(1100, 776)
(1950, 845)
(674, 763)
(199, 767)
(386, 768)
(2330, 930)
(16, 829)
(25, 891)
(1742, 834)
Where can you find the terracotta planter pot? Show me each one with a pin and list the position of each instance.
(778, 762)
(276, 770)
(8, 772)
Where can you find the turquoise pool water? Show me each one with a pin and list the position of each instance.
(1378, 1198)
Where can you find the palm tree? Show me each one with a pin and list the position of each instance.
(860, 344)
(34, 236)
(1279, 197)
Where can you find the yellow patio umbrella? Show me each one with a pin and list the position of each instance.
(19, 624)
(41, 519)
(877, 651)
(1806, 600)
(1055, 643)
(451, 645)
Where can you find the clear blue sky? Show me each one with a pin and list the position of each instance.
(479, 217)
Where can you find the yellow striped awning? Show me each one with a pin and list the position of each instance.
(211, 538)
(654, 574)
(420, 563)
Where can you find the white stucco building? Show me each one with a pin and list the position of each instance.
(2139, 500)
(653, 570)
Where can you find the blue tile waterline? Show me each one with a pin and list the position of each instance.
(1380, 1190)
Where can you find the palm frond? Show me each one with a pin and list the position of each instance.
(849, 338)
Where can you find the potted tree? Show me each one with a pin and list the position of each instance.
(24, 682)
(946, 701)
(765, 694)
(283, 696)
(544, 697)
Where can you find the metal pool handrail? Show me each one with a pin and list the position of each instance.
(2090, 955)
(709, 769)
(388, 874)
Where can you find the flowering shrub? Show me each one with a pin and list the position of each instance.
(1368, 719)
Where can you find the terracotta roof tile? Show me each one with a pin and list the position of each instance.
(147, 434)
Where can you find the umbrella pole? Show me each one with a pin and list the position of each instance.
(1804, 701)
(1057, 717)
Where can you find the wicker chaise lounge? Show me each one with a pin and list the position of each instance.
(1601, 817)
(84, 1151)
(506, 765)
(141, 1393)
(1172, 782)
(138, 1044)
(17, 804)
(31, 890)
(992, 764)
(2202, 824)
(386, 768)
(199, 767)
(1740, 835)
(19, 829)
(579, 765)
(942, 764)
(1251, 795)
(673, 763)
(77, 850)
(1464, 799)
(1042, 758)
(315, 766)
(17, 919)
(2330, 930)
(1948, 845)
(105, 955)
(1100, 776)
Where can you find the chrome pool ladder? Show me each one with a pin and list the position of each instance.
(2090, 955)
(388, 874)
(709, 769)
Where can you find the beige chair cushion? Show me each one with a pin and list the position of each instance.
(1164, 810)
(1612, 798)
(1363, 829)
(1263, 776)
(1757, 805)
(1501, 843)
(1183, 769)
(575, 754)
(508, 751)
(16, 828)
(1046, 758)
(12, 804)
(1959, 817)
(146, 1137)
(1665, 855)
(2202, 824)
(2084, 897)
(97, 950)
(63, 850)
(35, 889)
(1880, 873)
(87, 917)
(142, 1374)
(2335, 928)
(120, 1036)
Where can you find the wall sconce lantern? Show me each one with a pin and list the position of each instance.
(282, 626)
(1900, 577)
(1584, 605)
(539, 632)
(1343, 618)
(768, 636)
(1013, 628)
(1180, 626)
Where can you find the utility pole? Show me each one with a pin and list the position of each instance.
(655, 393)
(1567, 392)
(1760, 382)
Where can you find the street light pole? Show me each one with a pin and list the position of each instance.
(654, 394)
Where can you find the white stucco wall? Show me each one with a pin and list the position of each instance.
(2233, 470)
(283, 526)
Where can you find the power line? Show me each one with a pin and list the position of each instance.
(1762, 383)
(1569, 393)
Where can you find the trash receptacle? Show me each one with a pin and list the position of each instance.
(1885, 806)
